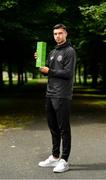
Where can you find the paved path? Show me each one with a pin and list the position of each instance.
(22, 148)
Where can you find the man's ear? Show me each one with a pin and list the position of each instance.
(66, 33)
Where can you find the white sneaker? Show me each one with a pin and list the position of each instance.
(62, 166)
(50, 162)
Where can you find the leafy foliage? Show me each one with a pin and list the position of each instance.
(25, 22)
(95, 18)
(7, 4)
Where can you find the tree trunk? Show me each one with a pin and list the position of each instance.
(94, 75)
(104, 76)
(1, 75)
(26, 79)
(75, 76)
(10, 74)
(85, 74)
(94, 80)
(20, 76)
(79, 73)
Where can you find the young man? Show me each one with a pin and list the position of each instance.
(60, 68)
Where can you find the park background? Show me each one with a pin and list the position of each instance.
(22, 24)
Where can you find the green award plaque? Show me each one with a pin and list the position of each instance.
(41, 54)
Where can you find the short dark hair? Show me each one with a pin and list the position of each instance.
(57, 26)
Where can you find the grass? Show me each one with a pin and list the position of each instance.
(21, 107)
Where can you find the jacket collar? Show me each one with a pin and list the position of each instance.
(63, 45)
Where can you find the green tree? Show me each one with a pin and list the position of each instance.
(24, 22)
(92, 40)
(94, 18)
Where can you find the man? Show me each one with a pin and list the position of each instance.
(60, 68)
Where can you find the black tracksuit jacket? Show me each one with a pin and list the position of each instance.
(61, 62)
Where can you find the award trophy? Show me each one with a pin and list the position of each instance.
(41, 54)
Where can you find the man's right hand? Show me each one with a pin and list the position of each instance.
(44, 70)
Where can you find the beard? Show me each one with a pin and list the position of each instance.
(59, 42)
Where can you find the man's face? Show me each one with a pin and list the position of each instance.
(60, 35)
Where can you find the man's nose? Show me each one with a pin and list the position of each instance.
(57, 35)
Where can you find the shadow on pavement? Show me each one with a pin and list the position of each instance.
(99, 166)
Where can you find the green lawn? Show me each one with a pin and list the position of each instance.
(20, 107)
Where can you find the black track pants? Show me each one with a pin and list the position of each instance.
(58, 114)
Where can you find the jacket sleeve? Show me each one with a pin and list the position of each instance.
(69, 66)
